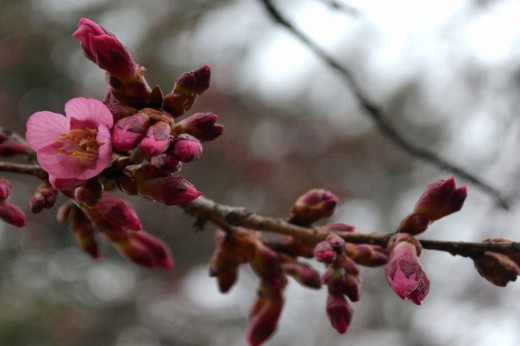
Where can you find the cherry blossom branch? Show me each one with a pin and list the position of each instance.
(226, 216)
(377, 114)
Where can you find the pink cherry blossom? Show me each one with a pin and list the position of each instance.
(75, 147)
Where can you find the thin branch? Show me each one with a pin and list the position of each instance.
(21, 168)
(377, 114)
(226, 216)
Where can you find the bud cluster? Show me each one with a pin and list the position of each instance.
(133, 141)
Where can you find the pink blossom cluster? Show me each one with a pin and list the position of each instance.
(132, 140)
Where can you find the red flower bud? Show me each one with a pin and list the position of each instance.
(142, 248)
(367, 255)
(12, 214)
(166, 162)
(203, 126)
(157, 139)
(324, 252)
(339, 312)
(267, 265)
(496, 268)
(5, 188)
(187, 148)
(194, 82)
(303, 273)
(404, 273)
(337, 243)
(90, 192)
(105, 50)
(168, 190)
(313, 205)
(83, 231)
(440, 199)
(44, 197)
(264, 315)
(127, 132)
(10, 148)
(114, 214)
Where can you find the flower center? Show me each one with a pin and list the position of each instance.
(81, 144)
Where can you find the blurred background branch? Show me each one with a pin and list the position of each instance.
(377, 114)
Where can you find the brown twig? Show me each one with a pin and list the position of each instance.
(21, 168)
(377, 115)
(227, 217)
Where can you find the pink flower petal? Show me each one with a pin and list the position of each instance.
(64, 184)
(43, 128)
(89, 112)
(61, 165)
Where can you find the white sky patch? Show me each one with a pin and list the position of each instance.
(494, 35)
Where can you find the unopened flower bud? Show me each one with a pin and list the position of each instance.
(225, 262)
(166, 162)
(114, 214)
(264, 316)
(404, 273)
(168, 190)
(187, 148)
(11, 148)
(303, 273)
(142, 248)
(324, 252)
(203, 126)
(157, 139)
(105, 50)
(367, 255)
(127, 132)
(337, 243)
(185, 91)
(339, 312)
(313, 205)
(267, 265)
(12, 215)
(64, 212)
(5, 189)
(496, 268)
(89, 193)
(194, 82)
(440, 199)
(44, 197)
(83, 231)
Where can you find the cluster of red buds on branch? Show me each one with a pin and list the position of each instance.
(135, 142)
(132, 141)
